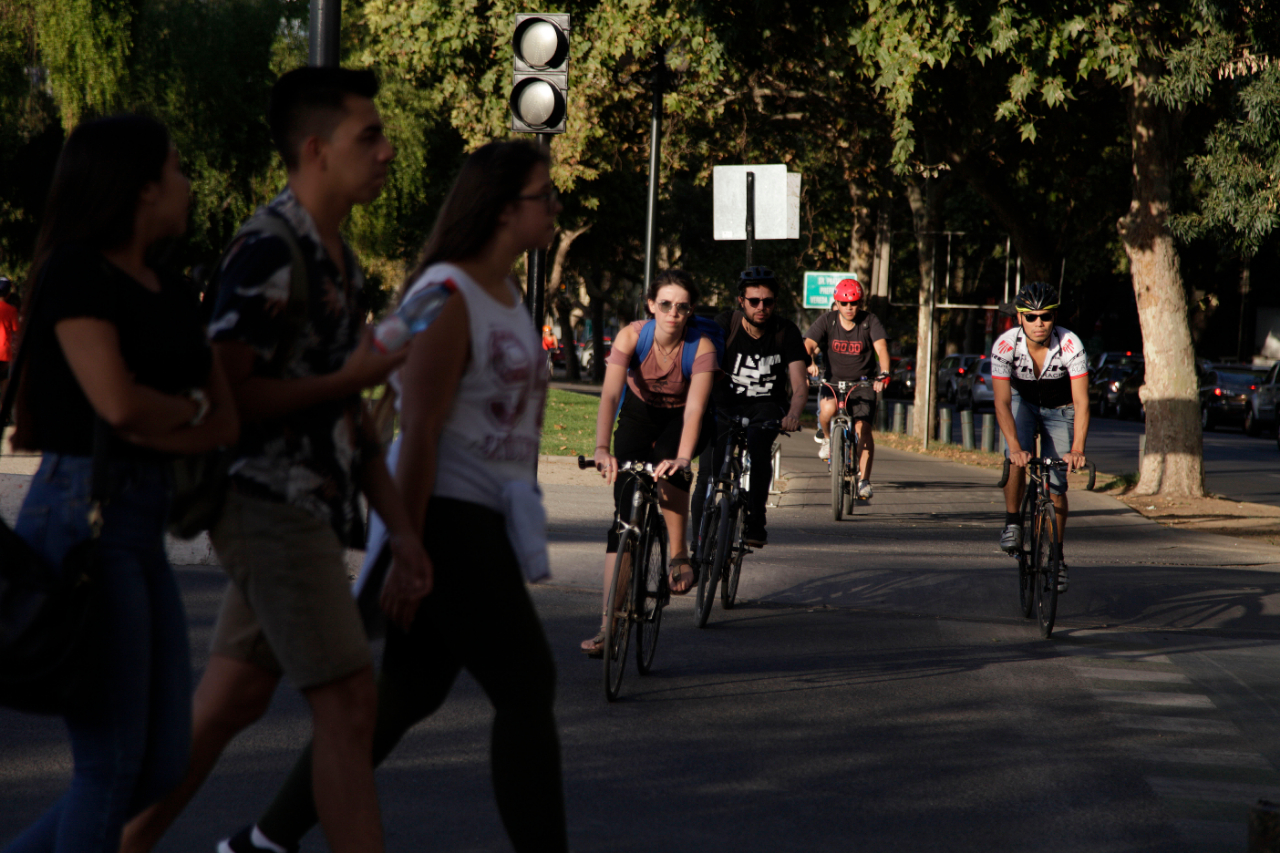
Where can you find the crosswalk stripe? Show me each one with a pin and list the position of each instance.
(1172, 724)
(1130, 674)
(1147, 697)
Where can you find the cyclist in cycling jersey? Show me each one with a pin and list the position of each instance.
(764, 379)
(1045, 392)
(847, 336)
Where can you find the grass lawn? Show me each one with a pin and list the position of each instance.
(569, 428)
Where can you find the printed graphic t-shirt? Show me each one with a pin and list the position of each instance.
(850, 352)
(1064, 361)
(756, 368)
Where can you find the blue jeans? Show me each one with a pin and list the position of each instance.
(132, 743)
(1056, 428)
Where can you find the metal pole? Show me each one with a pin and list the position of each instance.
(323, 41)
(535, 290)
(751, 214)
(655, 165)
(928, 354)
(1008, 242)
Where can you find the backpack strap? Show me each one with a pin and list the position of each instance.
(644, 344)
(735, 326)
(692, 335)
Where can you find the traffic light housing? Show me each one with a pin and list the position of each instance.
(540, 73)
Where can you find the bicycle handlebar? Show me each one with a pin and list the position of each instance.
(623, 467)
(1057, 464)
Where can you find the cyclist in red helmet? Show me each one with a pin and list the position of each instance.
(848, 337)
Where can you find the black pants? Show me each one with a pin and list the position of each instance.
(479, 616)
(647, 434)
(760, 446)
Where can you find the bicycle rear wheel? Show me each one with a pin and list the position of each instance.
(1027, 560)
(651, 591)
(1046, 579)
(729, 589)
(851, 465)
(706, 562)
(836, 461)
(617, 628)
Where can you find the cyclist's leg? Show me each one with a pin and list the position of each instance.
(1057, 431)
(862, 409)
(1025, 424)
(760, 446)
(826, 410)
(709, 464)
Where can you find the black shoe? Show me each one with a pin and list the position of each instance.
(242, 842)
(756, 537)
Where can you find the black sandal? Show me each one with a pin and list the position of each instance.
(675, 576)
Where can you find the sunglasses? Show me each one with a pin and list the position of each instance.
(549, 198)
(1046, 317)
(666, 306)
(845, 304)
(756, 301)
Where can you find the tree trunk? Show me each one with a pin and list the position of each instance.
(555, 289)
(1173, 464)
(925, 197)
(862, 240)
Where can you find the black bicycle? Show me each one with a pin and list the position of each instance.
(722, 541)
(1038, 561)
(843, 461)
(637, 596)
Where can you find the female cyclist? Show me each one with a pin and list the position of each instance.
(472, 393)
(114, 340)
(660, 419)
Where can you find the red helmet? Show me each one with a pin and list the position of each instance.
(848, 290)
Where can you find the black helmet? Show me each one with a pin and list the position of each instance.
(757, 277)
(1036, 296)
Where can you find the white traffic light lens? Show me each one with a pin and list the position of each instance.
(537, 102)
(539, 44)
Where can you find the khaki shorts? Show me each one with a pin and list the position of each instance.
(289, 608)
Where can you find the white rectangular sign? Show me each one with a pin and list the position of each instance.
(777, 202)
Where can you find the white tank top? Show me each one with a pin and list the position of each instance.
(491, 436)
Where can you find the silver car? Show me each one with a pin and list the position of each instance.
(951, 371)
(976, 390)
(1260, 408)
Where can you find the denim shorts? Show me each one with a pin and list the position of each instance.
(1056, 428)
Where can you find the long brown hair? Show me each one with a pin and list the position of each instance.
(93, 200)
(490, 179)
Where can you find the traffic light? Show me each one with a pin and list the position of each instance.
(540, 77)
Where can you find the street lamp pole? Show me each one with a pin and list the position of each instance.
(323, 40)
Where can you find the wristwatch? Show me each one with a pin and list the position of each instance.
(197, 396)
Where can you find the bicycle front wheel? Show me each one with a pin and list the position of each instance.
(706, 563)
(651, 591)
(729, 589)
(1027, 560)
(1046, 579)
(617, 628)
(836, 461)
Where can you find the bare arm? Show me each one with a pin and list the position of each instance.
(811, 347)
(615, 381)
(882, 356)
(1002, 394)
(220, 428)
(261, 398)
(430, 377)
(799, 395)
(1080, 400)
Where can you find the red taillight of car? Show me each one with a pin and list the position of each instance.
(1217, 392)
(981, 381)
(960, 371)
(1253, 387)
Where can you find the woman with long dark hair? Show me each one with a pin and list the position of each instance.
(660, 416)
(472, 394)
(114, 340)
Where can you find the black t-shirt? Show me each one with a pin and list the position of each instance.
(756, 368)
(162, 340)
(850, 352)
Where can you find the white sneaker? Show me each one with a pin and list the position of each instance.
(819, 436)
(1063, 581)
(864, 491)
(824, 452)
(1011, 538)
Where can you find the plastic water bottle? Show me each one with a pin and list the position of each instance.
(414, 314)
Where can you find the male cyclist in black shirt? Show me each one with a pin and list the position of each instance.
(848, 336)
(764, 360)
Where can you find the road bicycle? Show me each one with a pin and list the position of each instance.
(843, 461)
(639, 589)
(1038, 561)
(722, 543)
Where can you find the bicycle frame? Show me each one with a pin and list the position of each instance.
(845, 475)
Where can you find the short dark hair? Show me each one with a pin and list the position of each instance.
(310, 101)
(675, 276)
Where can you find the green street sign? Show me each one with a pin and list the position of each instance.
(820, 288)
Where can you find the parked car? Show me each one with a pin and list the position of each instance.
(1260, 408)
(1104, 389)
(586, 351)
(976, 390)
(951, 371)
(1117, 358)
(902, 380)
(1224, 394)
(1128, 404)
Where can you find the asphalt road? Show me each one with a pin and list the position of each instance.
(875, 690)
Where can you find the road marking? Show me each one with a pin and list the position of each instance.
(1125, 674)
(1114, 654)
(1195, 755)
(1172, 724)
(1211, 791)
(1147, 697)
